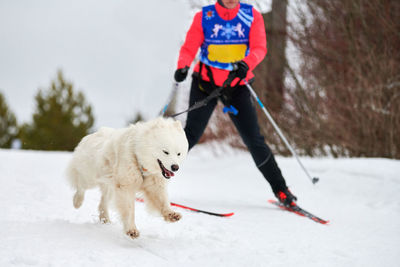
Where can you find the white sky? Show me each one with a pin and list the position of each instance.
(121, 54)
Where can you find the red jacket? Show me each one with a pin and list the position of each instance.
(195, 37)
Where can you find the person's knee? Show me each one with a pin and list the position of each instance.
(253, 140)
(259, 150)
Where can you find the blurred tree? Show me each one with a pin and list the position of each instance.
(138, 117)
(347, 99)
(270, 73)
(61, 119)
(8, 124)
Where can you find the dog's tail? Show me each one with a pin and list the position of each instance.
(75, 180)
(78, 198)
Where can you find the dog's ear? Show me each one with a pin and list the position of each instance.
(178, 124)
(158, 122)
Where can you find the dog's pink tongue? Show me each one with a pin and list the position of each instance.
(169, 173)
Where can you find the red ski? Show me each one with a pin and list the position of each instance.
(299, 211)
(195, 210)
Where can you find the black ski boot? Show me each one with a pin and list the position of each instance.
(286, 197)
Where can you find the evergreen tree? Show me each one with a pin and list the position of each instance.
(61, 119)
(8, 124)
(138, 117)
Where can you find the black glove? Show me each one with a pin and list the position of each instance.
(240, 69)
(180, 74)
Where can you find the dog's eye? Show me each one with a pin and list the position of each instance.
(179, 154)
(166, 152)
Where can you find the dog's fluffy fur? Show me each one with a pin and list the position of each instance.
(122, 162)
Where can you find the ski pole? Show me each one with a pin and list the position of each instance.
(253, 93)
(171, 97)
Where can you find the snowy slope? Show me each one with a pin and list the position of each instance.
(39, 226)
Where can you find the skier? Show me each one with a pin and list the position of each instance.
(235, 51)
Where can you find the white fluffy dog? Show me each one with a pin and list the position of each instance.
(122, 162)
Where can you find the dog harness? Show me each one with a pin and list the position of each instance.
(141, 168)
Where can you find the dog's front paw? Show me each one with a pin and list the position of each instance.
(133, 233)
(104, 219)
(172, 216)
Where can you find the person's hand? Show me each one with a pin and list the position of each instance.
(240, 69)
(180, 74)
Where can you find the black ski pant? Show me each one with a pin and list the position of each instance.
(245, 122)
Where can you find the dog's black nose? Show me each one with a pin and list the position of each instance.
(174, 167)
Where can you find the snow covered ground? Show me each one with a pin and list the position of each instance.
(39, 226)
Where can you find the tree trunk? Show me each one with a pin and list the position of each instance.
(271, 72)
